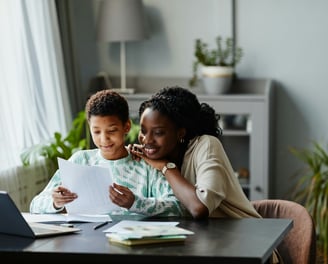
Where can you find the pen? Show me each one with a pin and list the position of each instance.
(100, 225)
(67, 225)
(118, 191)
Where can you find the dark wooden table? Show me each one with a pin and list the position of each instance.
(214, 241)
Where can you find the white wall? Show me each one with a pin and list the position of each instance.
(285, 40)
(173, 26)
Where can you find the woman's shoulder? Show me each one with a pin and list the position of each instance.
(205, 146)
(204, 140)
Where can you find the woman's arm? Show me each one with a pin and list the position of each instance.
(183, 190)
(186, 193)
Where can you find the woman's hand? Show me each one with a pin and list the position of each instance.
(121, 195)
(62, 196)
(135, 149)
(137, 154)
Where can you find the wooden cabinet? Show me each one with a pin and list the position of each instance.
(246, 116)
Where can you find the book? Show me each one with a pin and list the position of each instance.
(69, 218)
(146, 240)
(142, 232)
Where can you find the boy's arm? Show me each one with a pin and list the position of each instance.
(43, 202)
(160, 202)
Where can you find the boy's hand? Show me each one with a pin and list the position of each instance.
(121, 195)
(62, 196)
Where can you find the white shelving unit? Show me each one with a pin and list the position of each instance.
(247, 148)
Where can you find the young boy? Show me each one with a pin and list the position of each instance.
(137, 186)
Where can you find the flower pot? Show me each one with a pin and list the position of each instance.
(217, 79)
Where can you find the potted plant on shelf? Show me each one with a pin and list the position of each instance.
(217, 64)
(311, 190)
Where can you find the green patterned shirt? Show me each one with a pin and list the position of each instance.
(153, 194)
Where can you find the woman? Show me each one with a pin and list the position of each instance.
(180, 137)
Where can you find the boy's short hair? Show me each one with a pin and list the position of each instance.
(107, 103)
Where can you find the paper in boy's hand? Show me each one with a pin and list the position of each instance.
(91, 184)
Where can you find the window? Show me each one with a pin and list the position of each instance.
(34, 100)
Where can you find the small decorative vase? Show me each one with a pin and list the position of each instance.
(217, 79)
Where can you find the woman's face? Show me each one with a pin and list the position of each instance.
(159, 135)
(108, 134)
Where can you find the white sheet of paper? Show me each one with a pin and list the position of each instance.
(120, 227)
(91, 184)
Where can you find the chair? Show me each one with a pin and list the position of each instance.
(299, 245)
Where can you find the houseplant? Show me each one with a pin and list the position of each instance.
(60, 146)
(311, 190)
(217, 64)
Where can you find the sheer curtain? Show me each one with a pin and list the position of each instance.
(34, 100)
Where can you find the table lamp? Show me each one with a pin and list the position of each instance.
(121, 21)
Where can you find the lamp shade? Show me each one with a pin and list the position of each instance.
(121, 20)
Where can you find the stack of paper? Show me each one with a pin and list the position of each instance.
(146, 232)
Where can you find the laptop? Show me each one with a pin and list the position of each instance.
(12, 222)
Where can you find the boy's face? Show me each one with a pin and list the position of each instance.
(108, 134)
(159, 135)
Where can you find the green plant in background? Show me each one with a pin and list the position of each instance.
(312, 191)
(78, 138)
(132, 136)
(59, 146)
(223, 55)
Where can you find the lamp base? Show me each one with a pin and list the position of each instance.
(123, 90)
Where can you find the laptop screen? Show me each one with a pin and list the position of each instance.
(12, 221)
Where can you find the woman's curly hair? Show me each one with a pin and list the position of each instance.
(182, 107)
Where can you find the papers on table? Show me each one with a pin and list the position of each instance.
(146, 232)
(126, 225)
(66, 218)
(91, 183)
